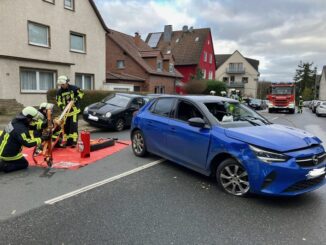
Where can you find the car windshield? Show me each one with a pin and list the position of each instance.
(282, 90)
(255, 101)
(117, 100)
(235, 113)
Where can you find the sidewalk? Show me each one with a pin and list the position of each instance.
(82, 125)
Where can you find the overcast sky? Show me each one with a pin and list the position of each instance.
(279, 33)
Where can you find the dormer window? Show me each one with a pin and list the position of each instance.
(168, 51)
(159, 65)
(205, 56)
(171, 67)
(120, 64)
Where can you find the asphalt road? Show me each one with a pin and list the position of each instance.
(163, 204)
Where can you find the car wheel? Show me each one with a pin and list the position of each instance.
(270, 110)
(138, 143)
(318, 115)
(119, 125)
(232, 177)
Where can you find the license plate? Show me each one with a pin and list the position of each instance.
(316, 173)
(90, 117)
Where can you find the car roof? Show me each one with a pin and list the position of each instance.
(203, 98)
(130, 95)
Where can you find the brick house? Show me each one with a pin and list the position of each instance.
(192, 48)
(131, 65)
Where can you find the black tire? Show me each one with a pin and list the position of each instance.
(291, 111)
(318, 115)
(119, 124)
(232, 178)
(106, 143)
(270, 110)
(138, 144)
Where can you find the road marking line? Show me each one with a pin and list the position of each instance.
(97, 184)
(274, 118)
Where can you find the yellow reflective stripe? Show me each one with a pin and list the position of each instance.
(4, 142)
(74, 118)
(31, 133)
(80, 94)
(38, 141)
(74, 112)
(65, 93)
(18, 156)
(38, 124)
(73, 136)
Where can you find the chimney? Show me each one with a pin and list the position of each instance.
(167, 33)
(137, 39)
(185, 28)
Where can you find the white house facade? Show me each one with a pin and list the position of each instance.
(322, 85)
(43, 39)
(238, 72)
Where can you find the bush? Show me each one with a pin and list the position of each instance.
(215, 85)
(201, 86)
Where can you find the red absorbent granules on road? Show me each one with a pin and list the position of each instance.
(69, 158)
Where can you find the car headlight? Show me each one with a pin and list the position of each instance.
(268, 156)
(108, 114)
(86, 109)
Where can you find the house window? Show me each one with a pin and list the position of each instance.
(204, 73)
(210, 58)
(159, 65)
(137, 88)
(120, 64)
(245, 79)
(232, 79)
(225, 79)
(159, 89)
(49, 1)
(178, 39)
(84, 81)
(121, 89)
(205, 56)
(196, 39)
(69, 4)
(235, 67)
(77, 42)
(171, 67)
(32, 80)
(210, 75)
(38, 34)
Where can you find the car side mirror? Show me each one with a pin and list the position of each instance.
(197, 122)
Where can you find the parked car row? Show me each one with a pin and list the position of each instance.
(318, 107)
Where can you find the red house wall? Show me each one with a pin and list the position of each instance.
(187, 72)
(209, 48)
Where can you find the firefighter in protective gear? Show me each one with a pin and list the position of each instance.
(65, 94)
(14, 137)
(300, 104)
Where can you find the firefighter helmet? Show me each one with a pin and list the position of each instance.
(62, 80)
(47, 106)
(30, 112)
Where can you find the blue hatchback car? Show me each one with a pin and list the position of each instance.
(220, 137)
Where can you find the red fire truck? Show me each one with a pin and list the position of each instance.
(281, 97)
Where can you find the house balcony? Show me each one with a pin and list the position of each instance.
(236, 84)
(235, 70)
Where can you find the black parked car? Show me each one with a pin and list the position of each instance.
(257, 104)
(114, 111)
